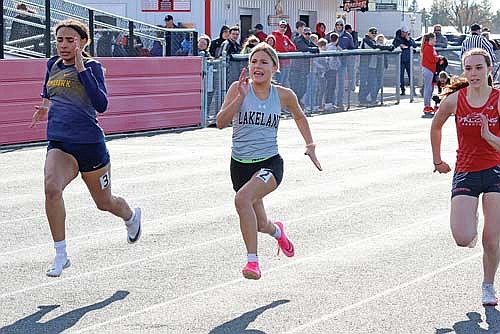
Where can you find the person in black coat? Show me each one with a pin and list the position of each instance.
(216, 45)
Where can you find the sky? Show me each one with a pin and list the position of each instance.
(495, 4)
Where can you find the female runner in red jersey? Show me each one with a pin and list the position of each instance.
(475, 104)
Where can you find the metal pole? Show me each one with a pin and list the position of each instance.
(2, 29)
(412, 87)
(224, 68)
(92, 32)
(382, 59)
(204, 106)
(130, 40)
(46, 38)
(398, 75)
(403, 11)
(195, 43)
(168, 43)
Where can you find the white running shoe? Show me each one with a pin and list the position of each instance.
(58, 266)
(134, 230)
(489, 297)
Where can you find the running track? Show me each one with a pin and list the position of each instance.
(374, 252)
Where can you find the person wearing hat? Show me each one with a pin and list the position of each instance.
(345, 42)
(405, 42)
(169, 22)
(367, 69)
(259, 33)
(475, 40)
(176, 38)
(283, 44)
(351, 65)
(302, 68)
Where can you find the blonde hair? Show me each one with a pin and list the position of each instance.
(205, 38)
(314, 38)
(322, 42)
(250, 40)
(266, 48)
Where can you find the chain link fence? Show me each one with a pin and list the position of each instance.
(415, 81)
(330, 81)
(27, 32)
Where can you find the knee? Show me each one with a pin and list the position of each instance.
(242, 201)
(490, 244)
(52, 191)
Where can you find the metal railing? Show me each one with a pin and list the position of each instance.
(415, 82)
(329, 81)
(30, 32)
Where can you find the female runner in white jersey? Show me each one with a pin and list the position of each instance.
(254, 105)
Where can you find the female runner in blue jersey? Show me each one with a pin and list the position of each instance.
(254, 105)
(73, 92)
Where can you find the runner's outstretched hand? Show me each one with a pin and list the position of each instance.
(311, 152)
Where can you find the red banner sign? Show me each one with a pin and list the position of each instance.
(355, 4)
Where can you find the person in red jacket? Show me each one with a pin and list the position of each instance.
(475, 104)
(283, 44)
(259, 33)
(429, 60)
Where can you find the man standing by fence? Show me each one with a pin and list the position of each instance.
(406, 43)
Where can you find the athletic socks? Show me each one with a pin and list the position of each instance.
(252, 257)
(132, 226)
(61, 260)
(277, 234)
(60, 247)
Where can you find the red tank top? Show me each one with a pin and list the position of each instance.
(474, 153)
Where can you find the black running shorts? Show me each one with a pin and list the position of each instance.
(242, 172)
(475, 183)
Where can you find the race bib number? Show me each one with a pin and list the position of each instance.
(265, 175)
(105, 181)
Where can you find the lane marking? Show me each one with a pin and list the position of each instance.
(313, 257)
(182, 215)
(384, 293)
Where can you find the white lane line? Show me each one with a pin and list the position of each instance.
(134, 198)
(310, 258)
(184, 249)
(384, 293)
(221, 207)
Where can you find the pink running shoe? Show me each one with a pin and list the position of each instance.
(284, 244)
(251, 270)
